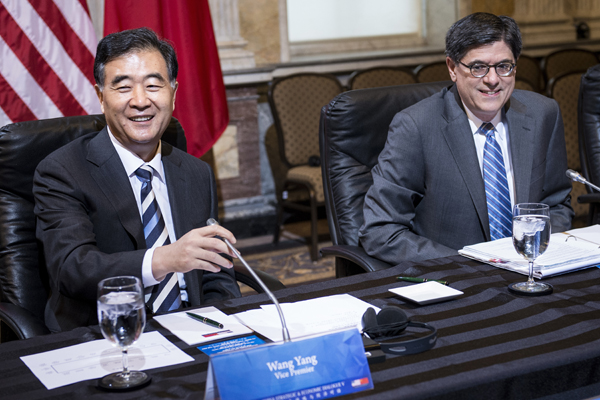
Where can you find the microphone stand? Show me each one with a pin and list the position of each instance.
(576, 176)
(286, 333)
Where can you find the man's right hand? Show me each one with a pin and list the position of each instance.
(198, 249)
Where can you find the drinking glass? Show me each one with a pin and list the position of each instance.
(531, 236)
(122, 318)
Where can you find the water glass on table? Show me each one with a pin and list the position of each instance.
(531, 236)
(122, 317)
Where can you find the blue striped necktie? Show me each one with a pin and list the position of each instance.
(496, 185)
(165, 296)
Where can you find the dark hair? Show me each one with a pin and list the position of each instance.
(126, 42)
(479, 29)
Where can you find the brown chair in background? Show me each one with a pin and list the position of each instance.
(568, 60)
(524, 84)
(529, 70)
(433, 72)
(565, 90)
(296, 103)
(380, 77)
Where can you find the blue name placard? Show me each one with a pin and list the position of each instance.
(321, 366)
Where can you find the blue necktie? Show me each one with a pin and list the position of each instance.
(165, 296)
(496, 185)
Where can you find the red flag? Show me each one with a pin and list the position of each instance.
(47, 51)
(201, 104)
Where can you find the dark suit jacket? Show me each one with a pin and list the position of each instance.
(428, 195)
(90, 229)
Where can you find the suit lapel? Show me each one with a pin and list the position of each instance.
(459, 139)
(112, 179)
(521, 128)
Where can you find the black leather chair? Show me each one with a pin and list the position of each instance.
(353, 131)
(23, 280)
(589, 138)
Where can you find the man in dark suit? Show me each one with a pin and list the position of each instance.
(430, 188)
(93, 204)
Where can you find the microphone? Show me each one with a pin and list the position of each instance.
(576, 176)
(286, 333)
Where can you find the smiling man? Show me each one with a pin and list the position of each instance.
(455, 164)
(122, 202)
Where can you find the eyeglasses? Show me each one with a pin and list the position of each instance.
(481, 70)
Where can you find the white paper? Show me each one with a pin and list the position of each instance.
(320, 315)
(193, 331)
(426, 292)
(98, 358)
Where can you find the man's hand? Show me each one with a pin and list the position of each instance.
(198, 249)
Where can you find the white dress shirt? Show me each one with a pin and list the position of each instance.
(132, 162)
(502, 137)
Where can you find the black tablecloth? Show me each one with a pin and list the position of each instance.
(491, 344)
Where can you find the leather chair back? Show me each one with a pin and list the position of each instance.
(589, 134)
(353, 131)
(23, 279)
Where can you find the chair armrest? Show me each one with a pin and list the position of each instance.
(22, 322)
(357, 256)
(589, 198)
(242, 275)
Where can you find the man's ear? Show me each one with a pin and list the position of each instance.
(451, 68)
(175, 93)
(100, 97)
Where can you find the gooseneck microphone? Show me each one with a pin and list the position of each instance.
(576, 176)
(286, 333)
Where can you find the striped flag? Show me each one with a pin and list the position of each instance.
(47, 50)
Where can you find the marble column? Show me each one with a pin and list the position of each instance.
(226, 23)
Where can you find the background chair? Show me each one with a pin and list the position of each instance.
(565, 90)
(568, 60)
(528, 69)
(432, 72)
(24, 284)
(523, 84)
(589, 138)
(379, 77)
(296, 101)
(352, 133)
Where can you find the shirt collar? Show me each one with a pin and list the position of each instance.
(475, 122)
(132, 161)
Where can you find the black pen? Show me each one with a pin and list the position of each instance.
(420, 280)
(205, 320)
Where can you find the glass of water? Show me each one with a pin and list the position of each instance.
(531, 236)
(122, 318)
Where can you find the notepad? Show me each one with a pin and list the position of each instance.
(568, 251)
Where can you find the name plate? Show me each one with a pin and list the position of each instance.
(314, 367)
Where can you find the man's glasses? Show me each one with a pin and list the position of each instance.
(481, 70)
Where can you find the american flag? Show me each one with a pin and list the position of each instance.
(47, 50)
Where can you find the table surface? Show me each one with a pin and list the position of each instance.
(491, 344)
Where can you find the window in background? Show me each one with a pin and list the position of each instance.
(345, 26)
